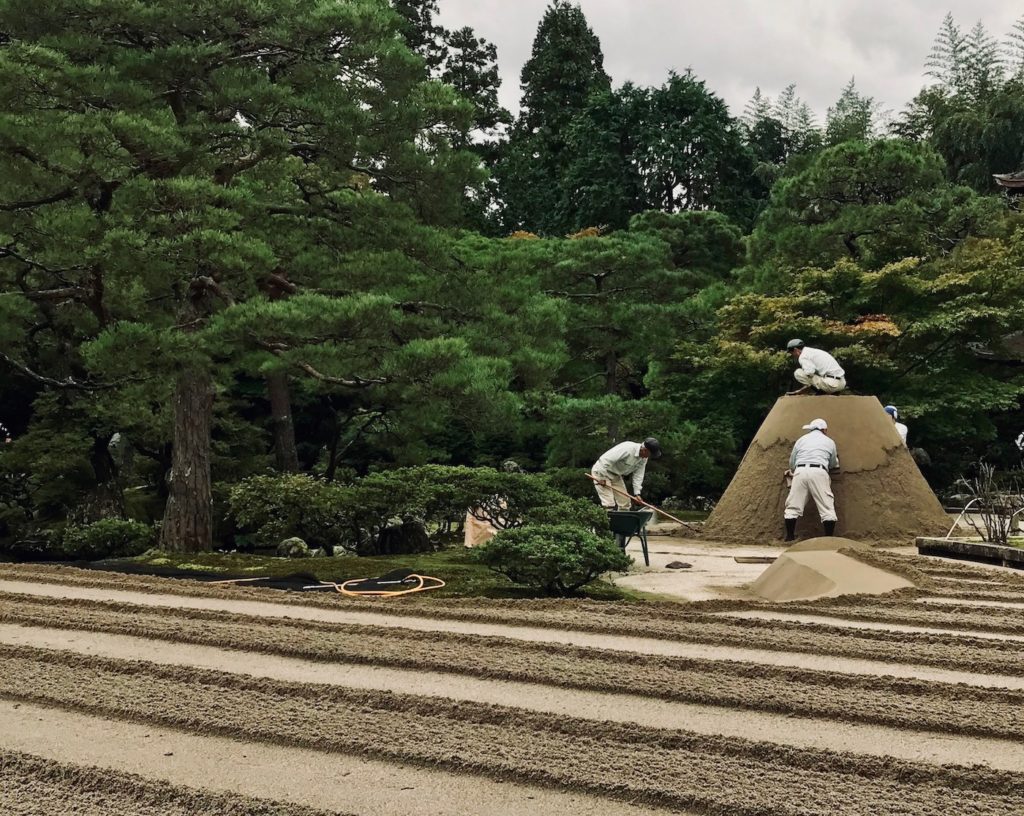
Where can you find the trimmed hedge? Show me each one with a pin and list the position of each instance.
(557, 559)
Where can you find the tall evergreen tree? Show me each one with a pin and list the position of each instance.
(852, 118)
(565, 68)
(471, 67)
(421, 33)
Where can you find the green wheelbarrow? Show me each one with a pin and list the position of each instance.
(629, 523)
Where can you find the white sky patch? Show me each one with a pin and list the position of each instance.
(736, 45)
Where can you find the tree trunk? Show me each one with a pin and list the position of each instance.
(611, 386)
(107, 498)
(188, 519)
(611, 370)
(281, 420)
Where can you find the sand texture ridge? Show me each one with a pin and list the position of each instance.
(122, 696)
(881, 495)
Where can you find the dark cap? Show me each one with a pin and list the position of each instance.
(794, 344)
(654, 446)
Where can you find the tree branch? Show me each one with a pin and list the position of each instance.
(353, 382)
(67, 383)
(66, 193)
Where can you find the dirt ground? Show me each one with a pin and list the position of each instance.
(132, 695)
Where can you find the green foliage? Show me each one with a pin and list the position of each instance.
(926, 335)
(437, 494)
(328, 514)
(874, 203)
(852, 118)
(278, 507)
(565, 68)
(106, 538)
(556, 558)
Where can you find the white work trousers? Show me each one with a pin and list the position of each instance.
(815, 482)
(609, 498)
(827, 385)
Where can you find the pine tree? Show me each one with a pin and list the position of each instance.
(948, 61)
(471, 67)
(797, 122)
(421, 33)
(759, 107)
(985, 65)
(1013, 48)
(852, 118)
(162, 169)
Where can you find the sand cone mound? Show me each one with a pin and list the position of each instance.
(881, 496)
(817, 569)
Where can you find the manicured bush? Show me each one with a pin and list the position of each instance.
(438, 493)
(435, 496)
(292, 505)
(555, 558)
(107, 538)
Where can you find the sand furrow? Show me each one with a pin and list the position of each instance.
(807, 732)
(828, 617)
(947, 614)
(33, 785)
(972, 602)
(915, 703)
(655, 766)
(144, 771)
(946, 650)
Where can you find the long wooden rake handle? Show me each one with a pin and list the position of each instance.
(638, 500)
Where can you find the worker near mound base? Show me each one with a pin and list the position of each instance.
(901, 429)
(818, 370)
(813, 456)
(625, 459)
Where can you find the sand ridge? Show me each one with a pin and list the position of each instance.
(587, 707)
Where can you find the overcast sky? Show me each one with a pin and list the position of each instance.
(736, 45)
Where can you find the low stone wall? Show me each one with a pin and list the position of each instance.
(965, 550)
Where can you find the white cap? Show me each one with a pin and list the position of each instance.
(816, 425)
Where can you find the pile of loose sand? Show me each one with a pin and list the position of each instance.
(881, 495)
(817, 569)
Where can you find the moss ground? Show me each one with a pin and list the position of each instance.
(464, 577)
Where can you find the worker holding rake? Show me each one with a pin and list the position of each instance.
(610, 470)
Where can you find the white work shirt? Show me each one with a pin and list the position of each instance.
(622, 460)
(901, 429)
(816, 361)
(814, 448)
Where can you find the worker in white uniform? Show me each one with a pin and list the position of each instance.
(818, 370)
(813, 456)
(901, 429)
(625, 459)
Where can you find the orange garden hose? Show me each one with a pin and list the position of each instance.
(421, 586)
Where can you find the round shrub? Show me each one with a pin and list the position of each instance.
(555, 558)
(291, 505)
(107, 538)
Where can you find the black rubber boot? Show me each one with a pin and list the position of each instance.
(830, 528)
(790, 529)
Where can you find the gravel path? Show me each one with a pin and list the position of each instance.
(125, 696)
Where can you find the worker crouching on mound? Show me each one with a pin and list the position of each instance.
(813, 456)
(818, 370)
(625, 459)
